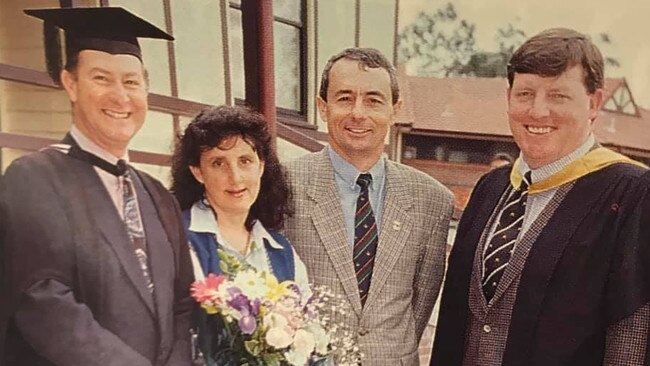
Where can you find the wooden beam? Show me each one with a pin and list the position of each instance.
(33, 143)
(257, 28)
(165, 104)
(26, 76)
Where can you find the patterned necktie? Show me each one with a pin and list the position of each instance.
(365, 238)
(133, 224)
(496, 254)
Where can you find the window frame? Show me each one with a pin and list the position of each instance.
(290, 116)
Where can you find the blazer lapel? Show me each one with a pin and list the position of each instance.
(520, 255)
(105, 216)
(477, 237)
(396, 225)
(543, 259)
(328, 220)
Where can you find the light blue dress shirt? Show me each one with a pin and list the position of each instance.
(346, 176)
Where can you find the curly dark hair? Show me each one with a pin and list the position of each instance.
(209, 129)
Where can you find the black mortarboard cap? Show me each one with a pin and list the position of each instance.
(113, 30)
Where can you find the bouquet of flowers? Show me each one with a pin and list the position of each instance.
(267, 322)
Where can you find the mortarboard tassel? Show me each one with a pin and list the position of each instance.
(52, 38)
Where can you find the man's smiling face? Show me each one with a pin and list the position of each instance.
(550, 117)
(109, 95)
(358, 110)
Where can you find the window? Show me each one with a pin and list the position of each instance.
(35, 113)
(289, 56)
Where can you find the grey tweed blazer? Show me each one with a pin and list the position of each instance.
(410, 259)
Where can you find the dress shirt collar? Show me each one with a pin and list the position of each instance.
(86, 144)
(349, 173)
(203, 220)
(548, 170)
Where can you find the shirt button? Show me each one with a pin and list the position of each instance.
(487, 328)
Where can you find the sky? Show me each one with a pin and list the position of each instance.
(626, 21)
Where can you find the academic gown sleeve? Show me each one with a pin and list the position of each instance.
(184, 305)
(629, 285)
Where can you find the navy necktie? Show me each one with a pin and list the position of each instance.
(365, 238)
(498, 251)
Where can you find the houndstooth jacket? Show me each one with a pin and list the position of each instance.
(410, 259)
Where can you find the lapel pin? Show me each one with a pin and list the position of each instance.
(397, 225)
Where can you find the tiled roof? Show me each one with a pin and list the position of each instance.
(478, 106)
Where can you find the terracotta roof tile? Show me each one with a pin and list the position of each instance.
(478, 106)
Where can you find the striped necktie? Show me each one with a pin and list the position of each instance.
(497, 253)
(365, 238)
(133, 223)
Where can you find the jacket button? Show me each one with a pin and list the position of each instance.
(363, 331)
(487, 328)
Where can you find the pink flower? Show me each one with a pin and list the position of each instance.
(203, 291)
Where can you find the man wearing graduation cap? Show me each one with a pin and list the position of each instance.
(97, 265)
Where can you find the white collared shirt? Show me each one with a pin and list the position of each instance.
(536, 202)
(202, 220)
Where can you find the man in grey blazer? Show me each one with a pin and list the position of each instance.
(96, 259)
(386, 259)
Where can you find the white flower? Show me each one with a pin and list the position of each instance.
(275, 320)
(296, 358)
(278, 338)
(320, 336)
(304, 342)
(251, 284)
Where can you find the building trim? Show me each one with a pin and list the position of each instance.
(461, 135)
(171, 57)
(225, 43)
(166, 104)
(316, 74)
(33, 143)
(357, 23)
(26, 76)
(628, 150)
(395, 34)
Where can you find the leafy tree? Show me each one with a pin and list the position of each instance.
(605, 43)
(493, 64)
(442, 44)
(438, 43)
(509, 39)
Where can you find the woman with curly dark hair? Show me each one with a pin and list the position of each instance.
(234, 196)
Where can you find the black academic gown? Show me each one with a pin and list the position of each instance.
(75, 293)
(644, 232)
(586, 270)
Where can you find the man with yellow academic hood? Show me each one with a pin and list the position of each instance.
(546, 268)
(97, 265)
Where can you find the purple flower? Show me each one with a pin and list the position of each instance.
(234, 291)
(241, 304)
(294, 287)
(255, 307)
(247, 324)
